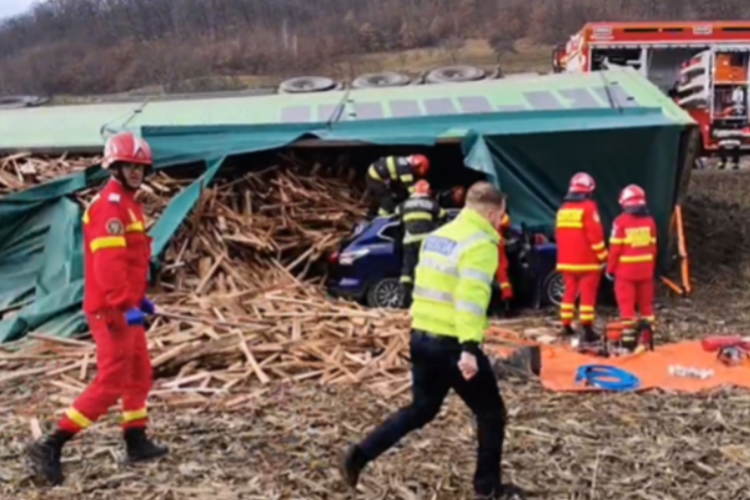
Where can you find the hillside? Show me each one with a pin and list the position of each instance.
(83, 47)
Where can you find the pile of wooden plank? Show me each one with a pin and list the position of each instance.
(242, 296)
(24, 170)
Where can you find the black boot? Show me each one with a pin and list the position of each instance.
(140, 448)
(45, 456)
(350, 466)
(589, 335)
(568, 331)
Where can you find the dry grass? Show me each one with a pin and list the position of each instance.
(283, 442)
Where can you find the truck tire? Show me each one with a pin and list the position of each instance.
(456, 74)
(306, 84)
(379, 80)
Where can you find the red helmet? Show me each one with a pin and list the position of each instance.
(582, 183)
(126, 147)
(422, 188)
(632, 196)
(420, 164)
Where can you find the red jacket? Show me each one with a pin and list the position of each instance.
(633, 247)
(117, 251)
(580, 237)
(502, 268)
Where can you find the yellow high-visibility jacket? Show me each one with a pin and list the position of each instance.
(453, 280)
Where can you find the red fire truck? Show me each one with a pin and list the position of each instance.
(703, 66)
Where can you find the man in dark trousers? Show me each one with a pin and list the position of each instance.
(457, 266)
(420, 215)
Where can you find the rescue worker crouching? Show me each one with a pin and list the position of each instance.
(632, 265)
(457, 265)
(581, 255)
(391, 179)
(117, 254)
(420, 215)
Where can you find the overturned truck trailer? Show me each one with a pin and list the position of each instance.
(528, 135)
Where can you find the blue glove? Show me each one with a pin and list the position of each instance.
(147, 306)
(135, 317)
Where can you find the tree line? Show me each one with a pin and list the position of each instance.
(102, 46)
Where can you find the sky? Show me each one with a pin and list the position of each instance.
(12, 7)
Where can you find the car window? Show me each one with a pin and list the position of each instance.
(391, 232)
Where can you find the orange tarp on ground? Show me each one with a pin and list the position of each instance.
(560, 365)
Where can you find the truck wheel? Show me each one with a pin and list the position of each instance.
(386, 294)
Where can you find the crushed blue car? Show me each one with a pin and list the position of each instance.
(368, 264)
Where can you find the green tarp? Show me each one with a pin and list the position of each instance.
(40, 243)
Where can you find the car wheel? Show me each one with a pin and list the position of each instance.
(553, 289)
(386, 293)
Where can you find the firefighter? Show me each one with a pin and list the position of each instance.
(391, 179)
(457, 265)
(420, 215)
(581, 255)
(503, 279)
(116, 262)
(631, 265)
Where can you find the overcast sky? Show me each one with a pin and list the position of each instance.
(12, 7)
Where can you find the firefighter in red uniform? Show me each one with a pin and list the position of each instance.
(117, 254)
(503, 280)
(581, 255)
(631, 265)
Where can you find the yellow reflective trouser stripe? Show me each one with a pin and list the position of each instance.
(598, 246)
(135, 227)
(632, 259)
(504, 285)
(570, 225)
(107, 242)
(587, 309)
(391, 163)
(406, 279)
(578, 267)
(417, 216)
(616, 241)
(131, 416)
(78, 418)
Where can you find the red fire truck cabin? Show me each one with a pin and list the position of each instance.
(703, 66)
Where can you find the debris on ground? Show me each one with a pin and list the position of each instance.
(263, 380)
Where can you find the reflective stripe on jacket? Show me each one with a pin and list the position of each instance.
(453, 285)
(633, 247)
(580, 237)
(420, 215)
(117, 251)
(393, 169)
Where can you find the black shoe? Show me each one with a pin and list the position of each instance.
(140, 448)
(351, 464)
(589, 335)
(45, 457)
(568, 331)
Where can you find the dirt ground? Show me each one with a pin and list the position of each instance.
(284, 442)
